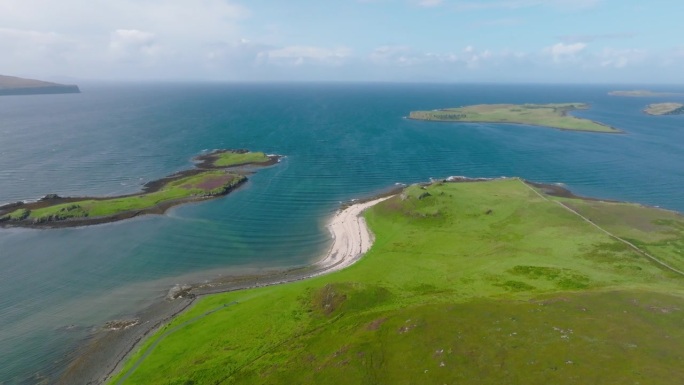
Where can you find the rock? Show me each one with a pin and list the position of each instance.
(179, 291)
(120, 324)
(50, 197)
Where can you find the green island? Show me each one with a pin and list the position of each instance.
(545, 115)
(486, 282)
(665, 109)
(213, 177)
(642, 93)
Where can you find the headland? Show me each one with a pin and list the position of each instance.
(544, 115)
(460, 274)
(11, 85)
(216, 174)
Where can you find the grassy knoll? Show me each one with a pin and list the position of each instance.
(468, 283)
(236, 158)
(201, 185)
(665, 109)
(546, 115)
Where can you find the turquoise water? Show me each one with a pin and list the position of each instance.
(341, 141)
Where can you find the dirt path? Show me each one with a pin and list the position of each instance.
(631, 245)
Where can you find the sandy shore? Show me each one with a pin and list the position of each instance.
(351, 237)
(104, 353)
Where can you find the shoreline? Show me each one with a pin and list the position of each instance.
(203, 163)
(617, 130)
(103, 353)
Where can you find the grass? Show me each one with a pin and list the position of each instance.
(546, 115)
(471, 283)
(204, 184)
(665, 109)
(234, 158)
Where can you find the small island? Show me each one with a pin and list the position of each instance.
(545, 115)
(642, 93)
(665, 109)
(11, 85)
(213, 176)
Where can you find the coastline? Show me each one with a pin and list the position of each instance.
(203, 163)
(617, 130)
(103, 354)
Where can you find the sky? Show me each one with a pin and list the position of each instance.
(544, 41)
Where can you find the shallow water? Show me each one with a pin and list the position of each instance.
(342, 141)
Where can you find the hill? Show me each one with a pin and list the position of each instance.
(494, 282)
(11, 85)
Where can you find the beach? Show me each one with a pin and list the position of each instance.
(105, 352)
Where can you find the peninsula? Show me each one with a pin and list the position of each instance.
(545, 115)
(466, 283)
(11, 85)
(665, 109)
(215, 175)
(643, 93)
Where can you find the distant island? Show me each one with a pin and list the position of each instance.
(545, 115)
(11, 85)
(211, 178)
(642, 93)
(665, 109)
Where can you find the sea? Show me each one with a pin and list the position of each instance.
(340, 141)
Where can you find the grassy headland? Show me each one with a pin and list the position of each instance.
(211, 178)
(11, 85)
(471, 283)
(546, 115)
(665, 109)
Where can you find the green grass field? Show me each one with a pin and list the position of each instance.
(471, 283)
(231, 158)
(204, 184)
(546, 115)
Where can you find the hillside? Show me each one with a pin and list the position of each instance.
(11, 85)
(470, 283)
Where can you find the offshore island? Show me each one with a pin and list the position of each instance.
(212, 177)
(665, 109)
(470, 281)
(642, 93)
(544, 115)
(12, 85)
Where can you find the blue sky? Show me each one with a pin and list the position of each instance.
(560, 41)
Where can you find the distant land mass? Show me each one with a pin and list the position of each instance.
(643, 93)
(545, 115)
(665, 109)
(11, 85)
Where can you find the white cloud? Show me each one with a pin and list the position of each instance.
(299, 55)
(133, 44)
(562, 52)
(620, 58)
(86, 39)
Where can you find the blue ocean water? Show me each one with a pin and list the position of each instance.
(341, 141)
